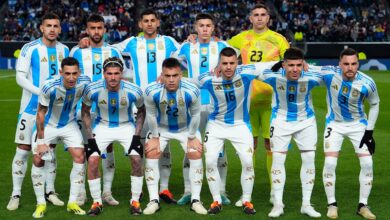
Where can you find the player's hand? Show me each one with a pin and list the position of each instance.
(368, 140)
(159, 79)
(136, 145)
(194, 148)
(152, 148)
(84, 42)
(42, 148)
(276, 67)
(192, 38)
(305, 66)
(91, 147)
(216, 71)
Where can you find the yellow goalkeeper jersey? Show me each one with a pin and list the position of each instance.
(264, 47)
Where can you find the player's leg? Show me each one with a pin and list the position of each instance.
(108, 167)
(265, 122)
(82, 196)
(72, 138)
(51, 172)
(222, 169)
(213, 143)
(306, 139)
(333, 140)
(242, 140)
(23, 138)
(186, 197)
(165, 166)
(152, 175)
(366, 171)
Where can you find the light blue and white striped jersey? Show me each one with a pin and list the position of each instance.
(201, 58)
(291, 100)
(147, 56)
(346, 98)
(172, 109)
(38, 63)
(61, 102)
(230, 104)
(113, 109)
(91, 59)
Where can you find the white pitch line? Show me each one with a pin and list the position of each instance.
(9, 100)
(7, 76)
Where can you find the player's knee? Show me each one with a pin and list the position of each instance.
(211, 162)
(37, 161)
(330, 163)
(136, 165)
(366, 163)
(24, 147)
(196, 155)
(154, 154)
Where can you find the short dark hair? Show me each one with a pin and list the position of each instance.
(148, 11)
(348, 52)
(69, 61)
(171, 63)
(112, 62)
(258, 6)
(293, 53)
(49, 16)
(95, 18)
(228, 52)
(204, 16)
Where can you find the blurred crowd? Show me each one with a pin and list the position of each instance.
(308, 20)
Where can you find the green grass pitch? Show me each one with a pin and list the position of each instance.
(347, 187)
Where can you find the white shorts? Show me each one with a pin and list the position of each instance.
(123, 134)
(166, 136)
(303, 132)
(25, 129)
(70, 135)
(336, 131)
(239, 135)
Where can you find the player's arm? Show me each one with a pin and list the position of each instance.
(152, 147)
(86, 117)
(194, 145)
(22, 71)
(91, 147)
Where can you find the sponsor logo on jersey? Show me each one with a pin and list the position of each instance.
(52, 58)
(151, 46)
(195, 51)
(203, 50)
(164, 102)
(103, 102)
(345, 90)
(43, 60)
(160, 46)
(141, 47)
(60, 99)
(218, 87)
(335, 87)
(123, 101)
(281, 88)
(96, 57)
(113, 101)
(355, 93)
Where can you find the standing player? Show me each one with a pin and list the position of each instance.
(229, 120)
(91, 64)
(39, 60)
(260, 44)
(347, 90)
(147, 53)
(114, 99)
(293, 117)
(202, 56)
(56, 121)
(173, 112)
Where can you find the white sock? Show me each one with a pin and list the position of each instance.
(83, 191)
(196, 174)
(152, 175)
(365, 178)
(38, 181)
(278, 174)
(19, 167)
(213, 178)
(222, 169)
(136, 187)
(108, 166)
(95, 189)
(51, 169)
(307, 176)
(329, 178)
(247, 177)
(76, 181)
(165, 168)
(186, 174)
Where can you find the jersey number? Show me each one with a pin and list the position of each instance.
(151, 57)
(256, 56)
(68, 106)
(206, 137)
(230, 96)
(343, 99)
(271, 129)
(98, 68)
(53, 69)
(204, 60)
(172, 111)
(291, 97)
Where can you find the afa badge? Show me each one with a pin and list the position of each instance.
(123, 101)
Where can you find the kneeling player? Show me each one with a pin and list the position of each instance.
(114, 99)
(58, 98)
(173, 112)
